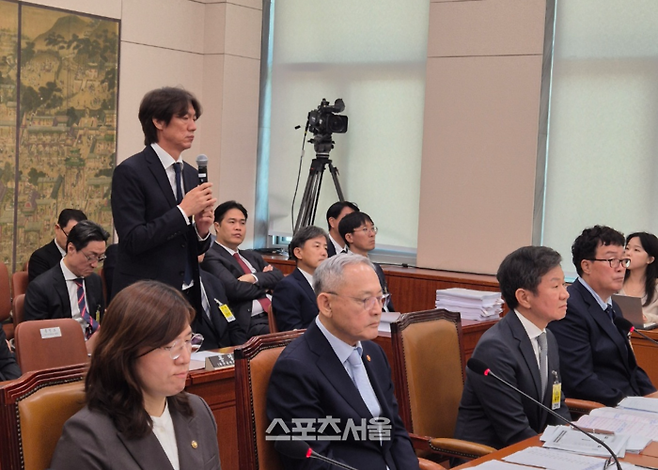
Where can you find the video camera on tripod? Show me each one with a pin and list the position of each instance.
(322, 122)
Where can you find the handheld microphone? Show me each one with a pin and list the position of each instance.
(623, 324)
(296, 449)
(202, 166)
(481, 368)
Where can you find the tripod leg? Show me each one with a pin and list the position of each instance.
(334, 175)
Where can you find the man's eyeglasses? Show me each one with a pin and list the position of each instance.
(94, 258)
(368, 302)
(366, 230)
(176, 349)
(614, 262)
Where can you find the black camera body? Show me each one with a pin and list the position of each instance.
(324, 121)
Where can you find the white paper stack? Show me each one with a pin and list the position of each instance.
(471, 304)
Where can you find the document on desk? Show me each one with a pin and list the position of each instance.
(625, 424)
(639, 403)
(564, 438)
(500, 465)
(554, 459)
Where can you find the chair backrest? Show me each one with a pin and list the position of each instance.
(253, 367)
(19, 281)
(19, 308)
(42, 344)
(5, 295)
(429, 371)
(33, 410)
(271, 320)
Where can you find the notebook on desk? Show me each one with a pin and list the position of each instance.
(631, 310)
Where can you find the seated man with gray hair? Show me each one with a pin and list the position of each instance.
(332, 386)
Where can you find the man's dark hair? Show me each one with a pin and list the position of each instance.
(302, 236)
(337, 207)
(523, 269)
(351, 222)
(163, 104)
(585, 245)
(70, 214)
(84, 232)
(224, 207)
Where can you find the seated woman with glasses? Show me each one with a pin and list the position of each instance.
(136, 414)
(642, 273)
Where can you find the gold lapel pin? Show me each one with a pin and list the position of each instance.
(368, 357)
(194, 444)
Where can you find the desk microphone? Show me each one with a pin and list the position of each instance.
(481, 368)
(202, 166)
(625, 325)
(296, 449)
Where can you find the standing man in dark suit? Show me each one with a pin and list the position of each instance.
(293, 301)
(218, 325)
(161, 214)
(597, 360)
(520, 350)
(335, 374)
(359, 232)
(335, 214)
(52, 253)
(245, 274)
(72, 289)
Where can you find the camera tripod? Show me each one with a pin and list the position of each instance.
(309, 204)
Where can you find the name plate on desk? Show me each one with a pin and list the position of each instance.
(220, 361)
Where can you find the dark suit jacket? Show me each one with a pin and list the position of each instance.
(597, 363)
(8, 367)
(221, 264)
(495, 415)
(308, 381)
(217, 331)
(43, 259)
(382, 282)
(294, 303)
(331, 249)
(47, 296)
(154, 240)
(90, 441)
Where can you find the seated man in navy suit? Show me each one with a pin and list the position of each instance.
(520, 350)
(52, 253)
(335, 214)
(72, 289)
(597, 360)
(246, 276)
(359, 232)
(332, 386)
(293, 300)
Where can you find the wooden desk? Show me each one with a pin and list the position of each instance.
(218, 389)
(648, 457)
(414, 289)
(646, 353)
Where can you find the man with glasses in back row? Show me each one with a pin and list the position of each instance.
(72, 289)
(359, 232)
(596, 358)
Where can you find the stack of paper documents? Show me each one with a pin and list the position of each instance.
(471, 304)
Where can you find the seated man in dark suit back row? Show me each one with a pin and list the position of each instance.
(52, 253)
(598, 362)
(293, 300)
(72, 289)
(335, 214)
(520, 350)
(244, 273)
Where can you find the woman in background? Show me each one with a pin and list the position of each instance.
(137, 415)
(642, 273)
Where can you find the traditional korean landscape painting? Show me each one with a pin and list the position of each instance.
(58, 120)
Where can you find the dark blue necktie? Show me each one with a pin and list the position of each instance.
(179, 183)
